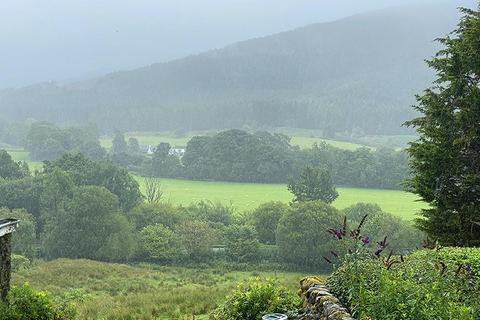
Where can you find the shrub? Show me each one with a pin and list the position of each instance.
(196, 239)
(24, 303)
(425, 286)
(159, 242)
(417, 289)
(253, 300)
(20, 262)
(266, 218)
(453, 257)
(301, 234)
(146, 214)
(242, 243)
(402, 235)
(214, 213)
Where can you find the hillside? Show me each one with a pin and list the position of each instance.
(357, 74)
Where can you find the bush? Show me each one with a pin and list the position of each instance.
(196, 239)
(453, 257)
(159, 242)
(242, 243)
(146, 214)
(402, 236)
(20, 262)
(420, 288)
(253, 300)
(214, 213)
(24, 303)
(266, 218)
(301, 234)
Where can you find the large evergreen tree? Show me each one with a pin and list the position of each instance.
(446, 158)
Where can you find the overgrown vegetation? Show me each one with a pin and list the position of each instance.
(115, 291)
(24, 303)
(376, 284)
(427, 285)
(253, 300)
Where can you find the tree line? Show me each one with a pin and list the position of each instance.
(239, 156)
(81, 208)
(232, 155)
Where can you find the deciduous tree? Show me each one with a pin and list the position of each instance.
(313, 184)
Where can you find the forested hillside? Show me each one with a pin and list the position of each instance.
(358, 74)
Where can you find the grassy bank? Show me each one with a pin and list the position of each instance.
(116, 291)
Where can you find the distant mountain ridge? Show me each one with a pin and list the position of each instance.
(358, 74)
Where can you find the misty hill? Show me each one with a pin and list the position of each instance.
(355, 74)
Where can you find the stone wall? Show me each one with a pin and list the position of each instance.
(319, 303)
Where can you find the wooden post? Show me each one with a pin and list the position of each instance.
(5, 265)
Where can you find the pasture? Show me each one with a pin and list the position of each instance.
(303, 140)
(117, 291)
(20, 154)
(248, 196)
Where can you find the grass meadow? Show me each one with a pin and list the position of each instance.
(154, 138)
(248, 196)
(305, 142)
(108, 291)
(19, 154)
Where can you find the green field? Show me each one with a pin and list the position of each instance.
(154, 138)
(307, 142)
(395, 141)
(116, 291)
(19, 154)
(247, 196)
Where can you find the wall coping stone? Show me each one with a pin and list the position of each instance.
(319, 303)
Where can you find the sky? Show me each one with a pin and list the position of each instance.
(67, 40)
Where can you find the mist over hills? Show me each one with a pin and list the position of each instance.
(358, 74)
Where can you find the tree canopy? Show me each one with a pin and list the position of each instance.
(313, 184)
(10, 169)
(446, 157)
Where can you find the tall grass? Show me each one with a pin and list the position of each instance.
(117, 291)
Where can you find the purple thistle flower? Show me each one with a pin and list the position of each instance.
(337, 233)
(366, 240)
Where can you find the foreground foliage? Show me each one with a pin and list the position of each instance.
(427, 285)
(116, 291)
(253, 300)
(24, 303)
